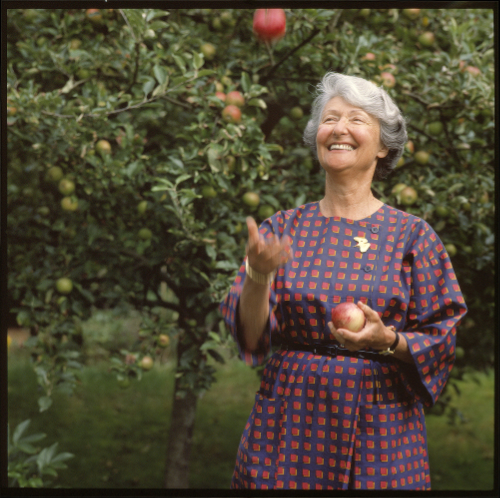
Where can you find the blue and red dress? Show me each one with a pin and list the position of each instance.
(340, 422)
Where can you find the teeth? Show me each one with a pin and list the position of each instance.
(341, 147)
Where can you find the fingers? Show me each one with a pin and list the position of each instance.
(371, 315)
(344, 336)
(275, 249)
(253, 231)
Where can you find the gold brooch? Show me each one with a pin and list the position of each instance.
(363, 244)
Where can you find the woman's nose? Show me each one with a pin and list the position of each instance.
(340, 127)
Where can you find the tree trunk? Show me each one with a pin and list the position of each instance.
(179, 441)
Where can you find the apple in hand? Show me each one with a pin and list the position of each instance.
(348, 316)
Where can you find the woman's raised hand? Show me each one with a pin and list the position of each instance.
(266, 255)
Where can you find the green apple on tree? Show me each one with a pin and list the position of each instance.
(103, 147)
(163, 340)
(142, 207)
(208, 192)
(421, 157)
(69, 203)
(208, 50)
(145, 234)
(54, 174)
(427, 39)
(251, 199)
(408, 196)
(450, 249)
(435, 128)
(66, 186)
(64, 285)
(296, 113)
(397, 188)
(266, 211)
(146, 362)
(411, 13)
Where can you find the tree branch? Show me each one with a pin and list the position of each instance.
(288, 55)
(128, 108)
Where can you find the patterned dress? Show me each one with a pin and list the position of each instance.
(323, 422)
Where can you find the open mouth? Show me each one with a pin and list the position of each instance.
(341, 147)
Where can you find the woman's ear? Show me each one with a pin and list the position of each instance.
(383, 152)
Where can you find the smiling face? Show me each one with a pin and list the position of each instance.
(348, 138)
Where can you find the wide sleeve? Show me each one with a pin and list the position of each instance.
(435, 309)
(230, 306)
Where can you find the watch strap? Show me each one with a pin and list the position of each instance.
(391, 349)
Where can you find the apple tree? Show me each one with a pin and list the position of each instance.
(138, 140)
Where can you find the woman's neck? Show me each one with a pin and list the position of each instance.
(353, 200)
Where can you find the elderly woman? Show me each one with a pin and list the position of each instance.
(338, 409)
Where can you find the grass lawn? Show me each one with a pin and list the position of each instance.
(119, 436)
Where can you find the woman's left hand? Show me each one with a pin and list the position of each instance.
(373, 335)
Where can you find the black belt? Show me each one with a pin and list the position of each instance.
(335, 350)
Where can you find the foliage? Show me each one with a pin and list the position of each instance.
(30, 465)
(118, 429)
(124, 104)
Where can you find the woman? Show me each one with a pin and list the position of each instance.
(338, 409)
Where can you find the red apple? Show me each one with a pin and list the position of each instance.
(231, 114)
(388, 79)
(235, 98)
(348, 316)
(221, 95)
(473, 70)
(269, 24)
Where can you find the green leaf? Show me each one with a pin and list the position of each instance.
(85, 293)
(209, 345)
(61, 457)
(257, 103)
(23, 318)
(44, 402)
(245, 82)
(275, 147)
(211, 252)
(45, 457)
(160, 74)
(158, 25)
(213, 161)
(33, 438)
(148, 86)
(133, 168)
(215, 337)
(227, 265)
(205, 72)
(187, 196)
(19, 430)
(26, 447)
(181, 179)
(216, 356)
(198, 60)
(159, 90)
(180, 62)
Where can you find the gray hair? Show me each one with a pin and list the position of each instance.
(373, 100)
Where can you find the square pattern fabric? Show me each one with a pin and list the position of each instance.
(323, 422)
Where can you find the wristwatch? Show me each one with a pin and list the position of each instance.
(392, 348)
